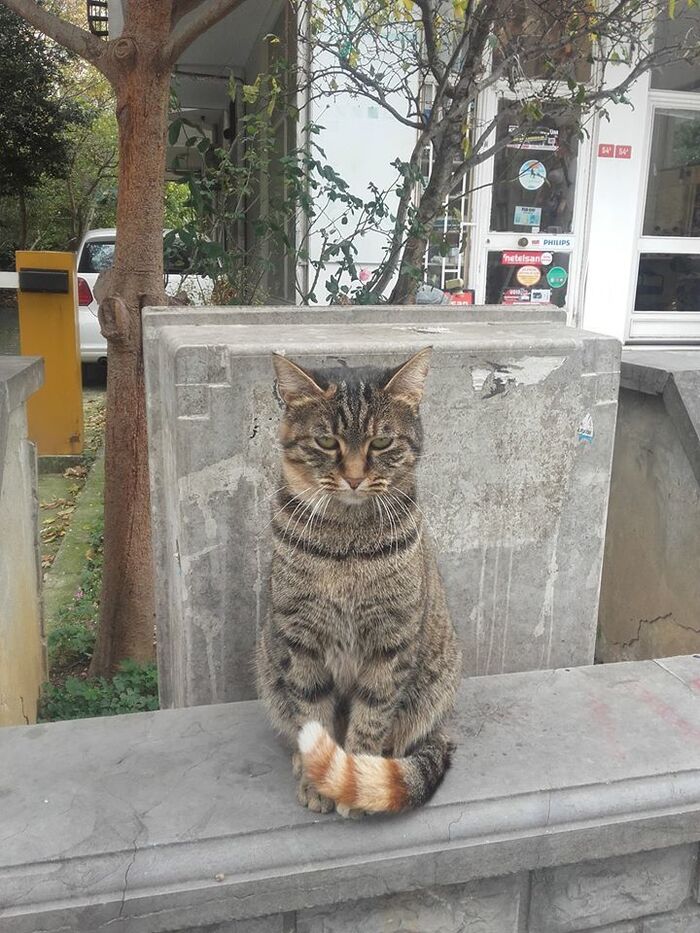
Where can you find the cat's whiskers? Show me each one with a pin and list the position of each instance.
(407, 512)
(393, 532)
(316, 514)
(415, 505)
(305, 505)
(296, 497)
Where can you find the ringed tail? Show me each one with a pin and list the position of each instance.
(370, 782)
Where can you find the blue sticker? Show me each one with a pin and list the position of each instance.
(585, 429)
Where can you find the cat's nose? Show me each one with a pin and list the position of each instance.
(353, 481)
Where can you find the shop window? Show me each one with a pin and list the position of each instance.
(535, 173)
(682, 30)
(531, 277)
(673, 192)
(549, 38)
(668, 283)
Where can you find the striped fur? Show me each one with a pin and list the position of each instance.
(372, 783)
(358, 637)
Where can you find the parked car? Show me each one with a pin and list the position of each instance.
(95, 254)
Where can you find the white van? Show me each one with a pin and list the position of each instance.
(96, 253)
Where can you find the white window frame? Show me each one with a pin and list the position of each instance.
(655, 326)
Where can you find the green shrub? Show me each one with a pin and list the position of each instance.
(70, 644)
(133, 688)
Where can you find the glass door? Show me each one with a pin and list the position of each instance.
(530, 204)
(666, 302)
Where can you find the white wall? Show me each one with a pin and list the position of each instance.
(617, 190)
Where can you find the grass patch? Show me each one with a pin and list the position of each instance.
(132, 690)
(71, 693)
(71, 640)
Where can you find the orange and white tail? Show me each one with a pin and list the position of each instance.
(370, 782)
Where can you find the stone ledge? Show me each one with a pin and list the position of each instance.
(675, 376)
(20, 376)
(355, 314)
(137, 815)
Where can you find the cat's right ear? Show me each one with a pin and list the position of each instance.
(295, 385)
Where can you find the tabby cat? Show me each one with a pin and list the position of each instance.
(358, 660)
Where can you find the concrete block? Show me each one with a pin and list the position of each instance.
(519, 422)
(22, 649)
(572, 898)
(650, 587)
(684, 920)
(187, 818)
(492, 906)
(279, 923)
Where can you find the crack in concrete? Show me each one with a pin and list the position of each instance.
(24, 715)
(675, 676)
(642, 622)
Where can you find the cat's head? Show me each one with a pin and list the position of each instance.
(354, 433)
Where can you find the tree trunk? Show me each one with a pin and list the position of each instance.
(143, 87)
(432, 202)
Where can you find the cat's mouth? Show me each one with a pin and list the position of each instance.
(352, 496)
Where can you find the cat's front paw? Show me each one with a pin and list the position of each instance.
(349, 813)
(308, 796)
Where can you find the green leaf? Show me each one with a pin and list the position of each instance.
(174, 131)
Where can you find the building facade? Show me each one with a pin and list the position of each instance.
(606, 225)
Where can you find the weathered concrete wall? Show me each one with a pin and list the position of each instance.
(22, 653)
(514, 489)
(572, 804)
(650, 595)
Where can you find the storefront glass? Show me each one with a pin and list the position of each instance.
(668, 283)
(530, 276)
(673, 191)
(534, 174)
(679, 74)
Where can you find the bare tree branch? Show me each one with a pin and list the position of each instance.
(71, 37)
(185, 33)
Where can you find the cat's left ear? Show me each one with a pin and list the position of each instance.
(295, 385)
(408, 382)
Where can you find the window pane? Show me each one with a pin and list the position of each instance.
(681, 31)
(537, 32)
(527, 277)
(535, 175)
(673, 194)
(97, 256)
(668, 283)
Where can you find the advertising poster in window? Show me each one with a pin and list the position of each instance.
(534, 173)
(527, 277)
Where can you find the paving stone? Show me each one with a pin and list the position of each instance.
(571, 898)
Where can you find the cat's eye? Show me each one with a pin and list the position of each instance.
(380, 443)
(327, 442)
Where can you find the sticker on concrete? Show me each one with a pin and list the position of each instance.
(532, 175)
(585, 429)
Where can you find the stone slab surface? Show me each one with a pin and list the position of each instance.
(358, 314)
(493, 906)
(685, 920)
(128, 821)
(513, 487)
(571, 898)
